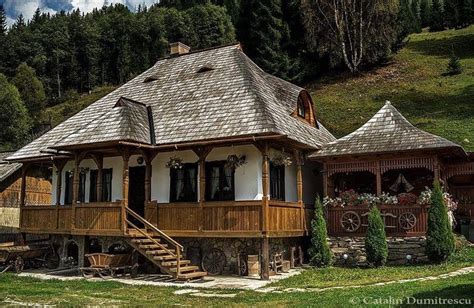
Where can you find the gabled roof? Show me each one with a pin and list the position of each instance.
(189, 104)
(387, 131)
(127, 121)
(6, 168)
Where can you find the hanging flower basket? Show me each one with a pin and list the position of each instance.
(282, 160)
(175, 163)
(234, 161)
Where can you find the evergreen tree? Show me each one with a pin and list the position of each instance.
(454, 65)
(439, 236)
(415, 9)
(319, 252)
(375, 241)
(436, 16)
(261, 33)
(3, 23)
(451, 13)
(30, 88)
(407, 20)
(425, 13)
(14, 120)
(466, 15)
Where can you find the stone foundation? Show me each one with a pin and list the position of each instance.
(196, 248)
(398, 249)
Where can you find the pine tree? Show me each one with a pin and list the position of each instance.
(14, 120)
(425, 13)
(466, 15)
(439, 236)
(320, 254)
(451, 13)
(436, 16)
(375, 241)
(454, 65)
(30, 88)
(407, 20)
(415, 10)
(3, 23)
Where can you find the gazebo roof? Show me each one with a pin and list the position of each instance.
(387, 131)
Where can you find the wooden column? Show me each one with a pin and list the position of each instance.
(148, 158)
(436, 169)
(125, 152)
(378, 179)
(265, 247)
(299, 186)
(75, 187)
(325, 180)
(99, 161)
(202, 154)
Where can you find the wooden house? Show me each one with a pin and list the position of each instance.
(203, 154)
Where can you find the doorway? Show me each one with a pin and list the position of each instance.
(136, 191)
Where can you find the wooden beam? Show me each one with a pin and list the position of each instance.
(59, 165)
(125, 152)
(202, 153)
(148, 157)
(265, 261)
(299, 184)
(265, 253)
(99, 162)
(325, 180)
(378, 179)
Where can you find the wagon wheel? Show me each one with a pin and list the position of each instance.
(105, 273)
(350, 221)
(87, 273)
(19, 264)
(51, 260)
(214, 261)
(407, 221)
(243, 268)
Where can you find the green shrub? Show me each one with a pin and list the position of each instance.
(320, 254)
(375, 241)
(439, 236)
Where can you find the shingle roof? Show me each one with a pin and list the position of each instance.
(234, 98)
(6, 168)
(127, 121)
(387, 131)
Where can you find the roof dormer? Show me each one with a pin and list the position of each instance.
(304, 109)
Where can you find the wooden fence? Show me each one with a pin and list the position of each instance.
(399, 220)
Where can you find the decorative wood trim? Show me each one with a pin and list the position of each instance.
(351, 166)
(459, 169)
(407, 163)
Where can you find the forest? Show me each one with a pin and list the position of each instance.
(50, 58)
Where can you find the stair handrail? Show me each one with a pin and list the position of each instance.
(155, 229)
(151, 239)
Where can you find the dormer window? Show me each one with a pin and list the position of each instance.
(150, 79)
(204, 69)
(301, 108)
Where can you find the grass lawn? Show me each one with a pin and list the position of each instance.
(79, 292)
(414, 83)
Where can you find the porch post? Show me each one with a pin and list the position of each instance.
(436, 169)
(75, 180)
(265, 247)
(148, 157)
(378, 179)
(299, 186)
(202, 154)
(99, 161)
(125, 179)
(325, 180)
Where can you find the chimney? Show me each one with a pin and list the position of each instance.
(178, 49)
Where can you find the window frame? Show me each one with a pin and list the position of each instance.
(221, 194)
(190, 196)
(277, 189)
(301, 106)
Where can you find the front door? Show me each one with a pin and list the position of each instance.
(136, 191)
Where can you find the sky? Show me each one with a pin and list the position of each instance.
(13, 8)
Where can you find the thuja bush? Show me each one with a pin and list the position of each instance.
(439, 236)
(320, 254)
(375, 241)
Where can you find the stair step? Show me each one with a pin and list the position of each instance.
(144, 241)
(173, 263)
(157, 252)
(185, 269)
(193, 275)
(164, 258)
(152, 246)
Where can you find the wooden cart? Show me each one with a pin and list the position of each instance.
(109, 265)
(37, 255)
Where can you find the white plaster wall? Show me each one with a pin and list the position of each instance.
(248, 178)
(291, 191)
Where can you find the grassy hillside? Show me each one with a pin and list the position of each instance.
(414, 83)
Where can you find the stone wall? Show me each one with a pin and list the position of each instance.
(398, 249)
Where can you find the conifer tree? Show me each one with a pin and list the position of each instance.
(319, 252)
(451, 13)
(30, 88)
(466, 15)
(3, 22)
(454, 65)
(439, 236)
(436, 16)
(425, 13)
(376, 241)
(415, 10)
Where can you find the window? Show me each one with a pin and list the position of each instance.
(82, 187)
(301, 108)
(219, 182)
(183, 186)
(68, 187)
(106, 185)
(277, 182)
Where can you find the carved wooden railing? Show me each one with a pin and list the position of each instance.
(285, 216)
(399, 220)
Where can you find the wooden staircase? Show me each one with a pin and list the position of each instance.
(160, 249)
